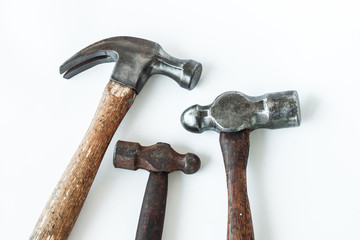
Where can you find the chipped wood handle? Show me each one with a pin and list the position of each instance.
(235, 149)
(63, 207)
(151, 220)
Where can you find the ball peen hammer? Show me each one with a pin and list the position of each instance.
(234, 115)
(159, 159)
(136, 61)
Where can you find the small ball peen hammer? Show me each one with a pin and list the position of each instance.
(159, 159)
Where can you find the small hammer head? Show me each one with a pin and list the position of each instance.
(156, 158)
(235, 111)
(136, 60)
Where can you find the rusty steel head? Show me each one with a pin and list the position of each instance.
(235, 111)
(156, 158)
(136, 60)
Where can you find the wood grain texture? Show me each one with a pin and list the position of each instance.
(66, 201)
(151, 220)
(235, 149)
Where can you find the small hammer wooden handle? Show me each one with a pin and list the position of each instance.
(235, 149)
(152, 215)
(62, 209)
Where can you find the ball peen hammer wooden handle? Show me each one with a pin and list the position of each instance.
(136, 60)
(235, 149)
(67, 199)
(152, 214)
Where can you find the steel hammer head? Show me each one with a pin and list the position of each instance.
(235, 111)
(156, 158)
(136, 60)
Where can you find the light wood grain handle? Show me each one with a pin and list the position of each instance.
(235, 149)
(62, 209)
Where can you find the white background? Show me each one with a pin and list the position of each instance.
(303, 182)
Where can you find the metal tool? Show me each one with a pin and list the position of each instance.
(159, 159)
(234, 115)
(136, 60)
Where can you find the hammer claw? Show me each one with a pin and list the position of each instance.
(82, 63)
(88, 57)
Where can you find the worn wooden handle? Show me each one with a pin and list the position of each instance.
(235, 149)
(62, 209)
(151, 220)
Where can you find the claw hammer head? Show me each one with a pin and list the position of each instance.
(136, 60)
(235, 111)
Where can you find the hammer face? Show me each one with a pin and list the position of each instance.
(283, 109)
(235, 111)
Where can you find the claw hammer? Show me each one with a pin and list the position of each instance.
(136, 61)
(234, 115)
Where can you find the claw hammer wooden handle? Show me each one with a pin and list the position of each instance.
(63, 207)
(235, 149)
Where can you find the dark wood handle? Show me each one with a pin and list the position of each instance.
(63, 207)
(151, 221)
(235, 149)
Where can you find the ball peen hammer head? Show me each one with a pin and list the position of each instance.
(136, 60)
(160, 157)
(235, 111)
